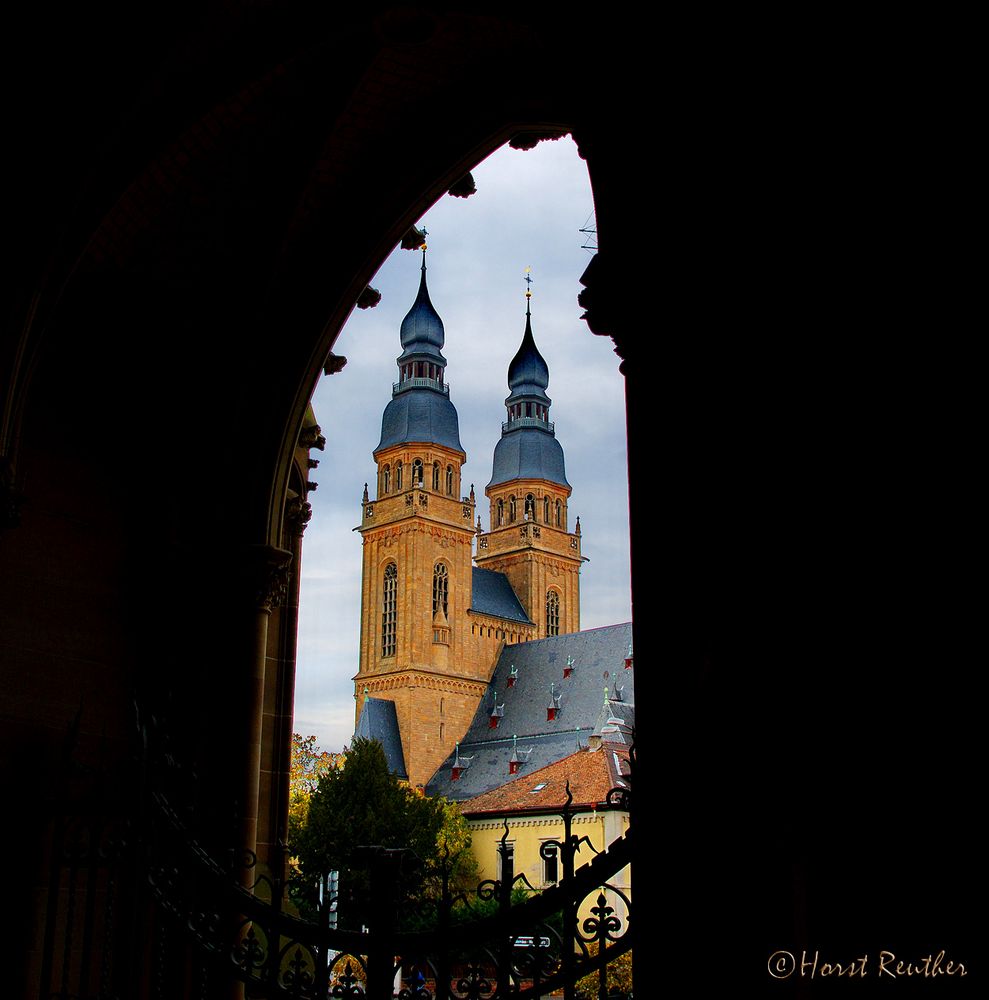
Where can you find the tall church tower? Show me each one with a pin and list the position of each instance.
(417, 648)
(529, 540)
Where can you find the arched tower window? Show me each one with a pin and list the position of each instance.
(436, 476)
(552, 613)
(546, 509)
(449, 480)
(500, 507)
(440, 587)
(559, 514)
(417, 472)
(386, 479)
(511, 508)
(530, 507)
(398, 475)
(389, 610)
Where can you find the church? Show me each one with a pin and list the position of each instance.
(457, 622)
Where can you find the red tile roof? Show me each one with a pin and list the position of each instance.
(591, 775)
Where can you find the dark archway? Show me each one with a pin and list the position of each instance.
(178, 211)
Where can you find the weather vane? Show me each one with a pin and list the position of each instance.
(528, 288)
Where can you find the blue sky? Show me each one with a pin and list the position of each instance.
(527, 212)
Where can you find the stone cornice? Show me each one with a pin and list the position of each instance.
(415, 523)
(514, 557)
(416, 677)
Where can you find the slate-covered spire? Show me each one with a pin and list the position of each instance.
(422, 332)
(528, 448)
(420, 409)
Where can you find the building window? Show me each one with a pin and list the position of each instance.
(530, 507)
(511, 508)
(552, 613)
(559, 514)
(440, 587)
(389, 610)
(398, 476)
(417, 472)
(449, 480)
(436, 476)
(501, 512)
(546, 510)
(386, 479)
(551, 863)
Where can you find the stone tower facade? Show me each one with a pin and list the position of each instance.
(432, 623)
(529, 540)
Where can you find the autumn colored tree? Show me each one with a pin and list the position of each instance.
(308, 764)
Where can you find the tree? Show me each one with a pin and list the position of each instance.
(308, 764)
(361, 805)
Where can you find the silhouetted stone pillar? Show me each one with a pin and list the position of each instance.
(268, 574)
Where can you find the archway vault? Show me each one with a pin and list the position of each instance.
(196, 212)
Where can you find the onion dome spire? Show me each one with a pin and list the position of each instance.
(528, 448)
(420, 409)
(422, 332)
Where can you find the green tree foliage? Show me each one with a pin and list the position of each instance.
(619, 978)
(362, 804)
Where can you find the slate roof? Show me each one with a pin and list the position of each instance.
(379, 721)
(591, 774)
(599, 662)
(528, 453)
(492, 594)
(422, 414)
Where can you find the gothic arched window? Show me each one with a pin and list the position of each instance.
(398, 475)
(501, 512)
(417, 472)
(386, 479)
(511, 508)
(440, 587)
(389, 610)
(449, 480)
(546, 509)
(552, 613)
(530, 507)
(559, 514)
(436, 476)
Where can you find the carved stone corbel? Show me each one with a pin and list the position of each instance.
(269, 571)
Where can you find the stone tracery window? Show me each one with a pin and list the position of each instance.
(389, 610)
(559, 514)
(449, 480)
(441, 580)
(546, 509)
(530, 507)
(386, 479)
(511, 508)
(552, 612)
(436, 476)
(398, 474)
(501, 512)
(417, 472)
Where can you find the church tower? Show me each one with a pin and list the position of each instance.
(529, 541)
(417, 648)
